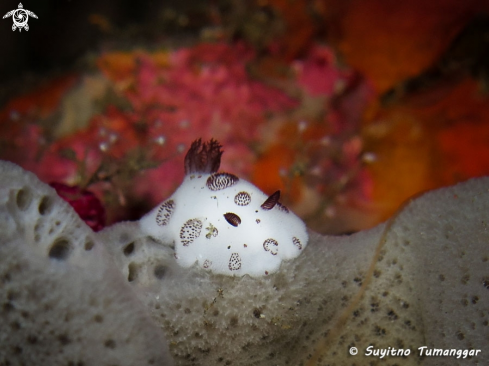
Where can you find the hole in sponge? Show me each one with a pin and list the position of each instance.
(23, 198)
(110, 343)
(37, 231)
(89, 244)
(133, 271)
(60, 250)
(160, 271)
(45, 205)
(128, 249)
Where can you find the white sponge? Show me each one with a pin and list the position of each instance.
(62, 301)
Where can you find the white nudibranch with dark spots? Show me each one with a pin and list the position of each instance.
(225, 224)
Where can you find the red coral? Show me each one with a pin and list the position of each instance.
(85, 204)
(318, 73)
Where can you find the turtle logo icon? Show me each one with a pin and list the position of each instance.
(20, 17)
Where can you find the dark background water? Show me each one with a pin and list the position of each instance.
(67, 30)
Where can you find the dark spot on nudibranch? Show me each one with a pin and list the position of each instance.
(232, 218)
(218, 181)
(242, 199)
(164, 212)
(297, 242)
(271, 245)
(207, 263)
(190, 231)
(271, 201)
(234, 262)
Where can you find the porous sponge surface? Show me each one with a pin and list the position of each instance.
(221, 320)
(62, 302)
(427, 287)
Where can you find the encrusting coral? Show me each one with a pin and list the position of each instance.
(421, 279)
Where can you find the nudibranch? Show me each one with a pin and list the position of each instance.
(223, 223)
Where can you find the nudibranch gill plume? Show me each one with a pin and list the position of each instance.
(224, 223)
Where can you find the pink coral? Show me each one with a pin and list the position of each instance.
(85, 204)
(319, 74)
(204, 91)
(171, 98)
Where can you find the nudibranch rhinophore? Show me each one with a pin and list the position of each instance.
(224, 223)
